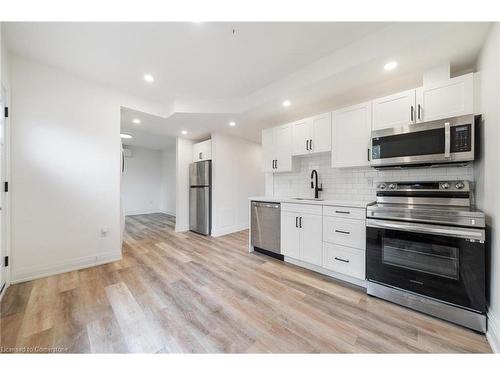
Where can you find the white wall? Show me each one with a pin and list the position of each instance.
(487, 169)
(183, 157)
(142, 181)
(168, 181)
(65, 170)
(236, 175)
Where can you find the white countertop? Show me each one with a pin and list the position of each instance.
(326, 202)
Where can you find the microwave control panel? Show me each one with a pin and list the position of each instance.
(461, 138)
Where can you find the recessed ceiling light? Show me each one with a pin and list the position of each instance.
(287, 103)
(125, 136)
(136, 121)
(149, 78)
(232, 123)
(390, 65)
(184, 132)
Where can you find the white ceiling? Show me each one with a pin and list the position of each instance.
(206, 75)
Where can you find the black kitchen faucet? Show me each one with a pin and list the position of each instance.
(314, 184)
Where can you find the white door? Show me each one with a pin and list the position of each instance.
(322, 133)
(311, 239)
(290, 239)
(283, 147)
(351, 128)
(301, 137)
(454, 97)
(394, 110)
(3, 176)
(268, 150)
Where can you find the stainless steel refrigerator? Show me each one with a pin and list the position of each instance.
(200, 197)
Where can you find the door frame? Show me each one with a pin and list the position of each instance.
(6, 211)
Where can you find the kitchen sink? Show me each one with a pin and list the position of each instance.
(309, 199)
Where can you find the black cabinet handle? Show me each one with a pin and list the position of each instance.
(307, 145)
(296, 222)
(276, 163)
(310, 144)
(342, 260)
(368, 154)
(199, 155)
(341, 231)
(411, 113)
(419, 110)
(300, 222)
(416, 282)
(342, 212)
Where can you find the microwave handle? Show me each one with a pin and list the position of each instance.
(447, 140)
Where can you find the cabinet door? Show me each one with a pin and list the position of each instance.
(290, 239)
(351, 129)
(447, 99)
(206, 149)
(394, 110)
(311, 239)
(197, 152)
(283, 148)
(322, 133)
(301, 136)
(268, 150)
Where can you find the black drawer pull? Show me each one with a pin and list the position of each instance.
(341, 231)
(342, 212)
(342, 260)
(416, 282)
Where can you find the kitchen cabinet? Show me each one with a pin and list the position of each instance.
(394, 110)
(351, 128)
(312, 135)
(301, 232)
(277, 149)
(202, 150)
(454, 97)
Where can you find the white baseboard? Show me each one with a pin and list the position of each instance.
(324, 271)
(37, 272)
(228, 230)
(142, 212)
(181, 228)
(493, 333)
(171, 213)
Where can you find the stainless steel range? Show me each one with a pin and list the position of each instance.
(425, 249)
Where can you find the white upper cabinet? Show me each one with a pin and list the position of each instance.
(351, 128)
(301, 136)
(202, 150)
(312, 135)
(454, 97)
(277, 149)
(394, 110)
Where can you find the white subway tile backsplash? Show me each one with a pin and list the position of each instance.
(354, 183)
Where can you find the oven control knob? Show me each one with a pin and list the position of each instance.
(445, 185)
(459, 185)
(392, 186)
(382, 186)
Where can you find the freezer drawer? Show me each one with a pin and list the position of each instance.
(266, 226)
(199, 210)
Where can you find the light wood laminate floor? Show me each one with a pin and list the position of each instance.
(181, 292)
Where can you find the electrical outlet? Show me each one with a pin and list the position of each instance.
(104, 231)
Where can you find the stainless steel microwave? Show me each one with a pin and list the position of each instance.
(430, 143)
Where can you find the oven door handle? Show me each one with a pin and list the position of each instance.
(440, 230)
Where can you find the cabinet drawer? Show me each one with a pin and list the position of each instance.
(347, 212)
(347, 232)
(302, 208)
(344, 260)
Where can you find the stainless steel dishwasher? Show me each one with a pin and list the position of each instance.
(266, 228)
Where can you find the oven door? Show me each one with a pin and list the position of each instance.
(441, 262)
(444, 141)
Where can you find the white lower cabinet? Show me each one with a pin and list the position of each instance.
(326, 239)
(301, 232)
(344, 260)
